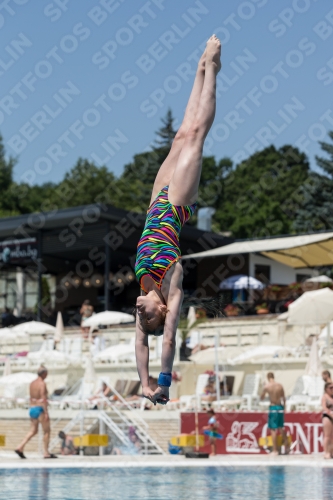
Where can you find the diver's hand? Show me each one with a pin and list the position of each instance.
(148, 393)
(161, 395)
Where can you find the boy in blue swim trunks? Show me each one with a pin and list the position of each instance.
(277, 399)
(38, 414)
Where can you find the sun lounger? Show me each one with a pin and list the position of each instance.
(247, 401)
(189, 402)
(306, 394)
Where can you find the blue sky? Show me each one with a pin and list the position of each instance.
(94, 78)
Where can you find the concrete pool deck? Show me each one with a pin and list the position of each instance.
(8, 460)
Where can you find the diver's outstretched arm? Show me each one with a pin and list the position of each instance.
(142, 360)
(161, 394)
(170, 329)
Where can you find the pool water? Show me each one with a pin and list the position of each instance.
(165, 483)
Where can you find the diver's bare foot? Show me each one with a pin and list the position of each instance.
(327, 456)
(213, 52)
(274, 453)
(202, 62)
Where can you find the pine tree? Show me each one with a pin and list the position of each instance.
(326, 164)
(7, 201)
(166, 133)
(315, 211)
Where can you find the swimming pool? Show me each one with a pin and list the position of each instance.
(166, 483)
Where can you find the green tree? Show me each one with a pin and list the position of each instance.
(137, 180)
(7, 203)
(315, 207)
(167, 132)
(84, 184)
(326, 163)
(140, 174)
(256, 191)
(35, 198)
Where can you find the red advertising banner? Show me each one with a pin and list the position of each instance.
(241, 431)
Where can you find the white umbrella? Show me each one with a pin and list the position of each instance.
(59, 328)
(89, 380)
(191, 317)
(89, 373)
(208, 356)
(7, 369)
(106, 318)
(313, 366)
(319, 279)
(34, 327)
(312, 308)
(5, 331)
(241, 281)
(262, 351)
(16, 385)
(10, 334)
(45, 356)
(323, 334)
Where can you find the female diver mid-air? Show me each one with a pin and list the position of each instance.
(173, 201)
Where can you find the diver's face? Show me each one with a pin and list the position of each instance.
(148, 311)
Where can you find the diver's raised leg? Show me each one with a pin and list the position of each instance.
(186, 176)
(167, 168)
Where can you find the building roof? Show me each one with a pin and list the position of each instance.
(31, 223)
(69, 235)
(297, 251)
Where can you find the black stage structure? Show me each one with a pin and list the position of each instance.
(91, 251)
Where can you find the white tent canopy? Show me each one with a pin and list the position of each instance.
(308, 250)
(106, 318)
(312, 308)
(241, 281)
(37, 327)
(262, 351)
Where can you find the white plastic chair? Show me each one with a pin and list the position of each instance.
(315, 389)
(194, 339)
(250, 395)
(76, 349)
(186, 402)
(80, 396)
(65, 345)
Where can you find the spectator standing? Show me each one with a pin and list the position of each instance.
(327, 416)
(277, 399)
(38, 414)
(86, 312)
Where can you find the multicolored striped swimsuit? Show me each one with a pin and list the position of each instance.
(158, 247)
